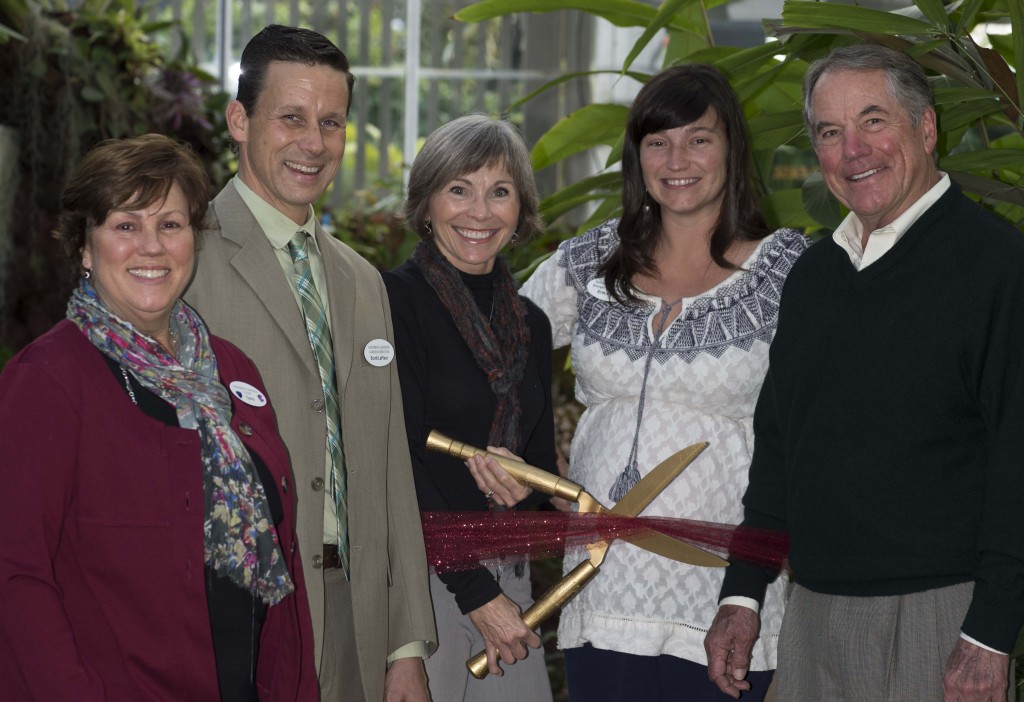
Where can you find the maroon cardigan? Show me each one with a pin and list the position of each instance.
(102, 593)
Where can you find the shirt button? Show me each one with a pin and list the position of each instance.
(317, 405)
(245, 429)
(317, 483)
(318, 561)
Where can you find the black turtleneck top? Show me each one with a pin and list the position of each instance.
(443, 388)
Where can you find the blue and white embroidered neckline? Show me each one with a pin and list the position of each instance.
(736, 313)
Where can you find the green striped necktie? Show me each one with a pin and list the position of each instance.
(319, 332)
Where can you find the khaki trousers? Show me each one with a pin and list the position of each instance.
(340, 680)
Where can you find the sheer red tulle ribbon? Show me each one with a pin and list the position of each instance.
(465, 540)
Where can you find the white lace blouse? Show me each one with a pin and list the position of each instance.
(702, 385)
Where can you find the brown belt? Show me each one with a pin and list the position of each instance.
(331, 557)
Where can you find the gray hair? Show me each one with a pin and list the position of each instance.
(464, 146)
(904, 78)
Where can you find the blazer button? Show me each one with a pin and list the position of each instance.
(244, 428)
(317, 405)
(284, 483)
(317, 483)
(318, 561)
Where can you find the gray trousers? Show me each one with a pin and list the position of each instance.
(458, 640)
(869, 649)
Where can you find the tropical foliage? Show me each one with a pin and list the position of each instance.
(73, 74)
(978, 96)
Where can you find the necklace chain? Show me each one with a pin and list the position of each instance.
(173, 338)
(128, 386)
(172, 335)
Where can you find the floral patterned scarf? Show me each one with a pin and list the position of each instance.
(499, 345)
(239, 538)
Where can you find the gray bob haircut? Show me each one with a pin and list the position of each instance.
(904, 78)
(464, 146)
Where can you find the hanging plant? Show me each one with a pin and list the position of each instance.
(71, 79)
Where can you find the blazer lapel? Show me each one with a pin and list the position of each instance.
(342, 293)
(257, 263)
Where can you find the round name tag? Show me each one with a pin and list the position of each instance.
(596, 288)
(379, 352)
(247, 394)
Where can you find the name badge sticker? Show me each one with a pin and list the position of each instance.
(379, 352)
(247, 394)
(596, 288)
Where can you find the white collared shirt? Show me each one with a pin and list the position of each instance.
(879, 242)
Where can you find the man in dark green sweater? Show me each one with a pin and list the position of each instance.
(889, 434)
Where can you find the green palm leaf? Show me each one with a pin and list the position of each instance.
(583, 129)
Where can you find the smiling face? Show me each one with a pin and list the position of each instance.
(142, 260)
(291, 146)
(684, 168)
(473, 217)
(874, 160)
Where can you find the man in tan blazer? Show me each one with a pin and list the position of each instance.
(373, 628)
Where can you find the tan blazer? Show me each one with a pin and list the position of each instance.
(244, 296)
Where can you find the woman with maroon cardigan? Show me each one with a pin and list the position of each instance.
(150, 551)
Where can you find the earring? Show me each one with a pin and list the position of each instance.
(647, 205)
(515, 236)
(87, 273)
(647, 208)
(426, 225)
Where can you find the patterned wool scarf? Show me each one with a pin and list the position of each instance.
(240, 541)
(499, 345)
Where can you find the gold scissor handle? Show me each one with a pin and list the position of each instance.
(525, 474)
(543, 608)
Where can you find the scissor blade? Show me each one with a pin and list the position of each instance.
(644, 492)
(651, 485)
(676, 550)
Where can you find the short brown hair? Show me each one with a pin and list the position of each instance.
(290, 45)
(463, 146)
(138, 172)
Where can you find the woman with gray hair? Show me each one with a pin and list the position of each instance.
(474, 359)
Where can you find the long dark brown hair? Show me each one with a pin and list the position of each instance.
(674, 98)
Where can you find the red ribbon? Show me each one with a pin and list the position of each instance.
(465, 540)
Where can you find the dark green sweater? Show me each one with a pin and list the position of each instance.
(889, 434)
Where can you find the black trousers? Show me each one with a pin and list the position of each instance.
(596, 675)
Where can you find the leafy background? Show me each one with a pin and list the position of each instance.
(977, 95)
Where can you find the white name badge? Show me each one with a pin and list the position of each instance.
(379, 352)
(597, 289)
(247, 394)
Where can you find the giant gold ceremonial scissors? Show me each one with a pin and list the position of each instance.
(639, 496)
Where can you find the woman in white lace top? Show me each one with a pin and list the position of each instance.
(669, 311)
